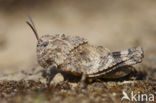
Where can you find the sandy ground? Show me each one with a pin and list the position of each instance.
(116, 25)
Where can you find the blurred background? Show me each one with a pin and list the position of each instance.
(114, 24)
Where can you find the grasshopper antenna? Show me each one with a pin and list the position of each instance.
(32, 26)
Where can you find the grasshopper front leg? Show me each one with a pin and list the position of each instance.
(49, 74)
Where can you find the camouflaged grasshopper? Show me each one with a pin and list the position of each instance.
(74, 55)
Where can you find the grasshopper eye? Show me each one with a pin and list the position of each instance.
(45, 44)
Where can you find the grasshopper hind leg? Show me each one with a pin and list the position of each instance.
(121, 73)
(120, 62)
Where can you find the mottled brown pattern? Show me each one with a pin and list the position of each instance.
(85, 58)
(76, 56)
(56, 48)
